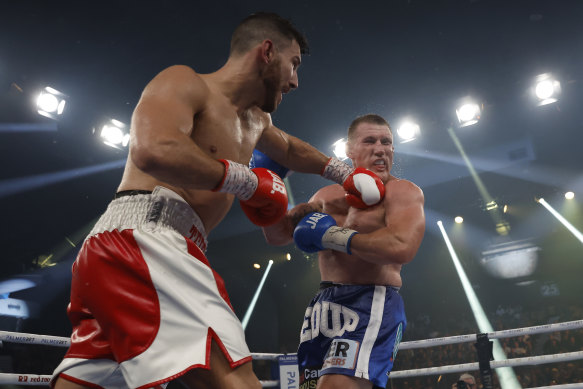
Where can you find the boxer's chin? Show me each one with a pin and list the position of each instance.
(269, 107)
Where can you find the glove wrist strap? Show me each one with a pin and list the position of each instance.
(338, 238)
(336, 170)
(238, 180)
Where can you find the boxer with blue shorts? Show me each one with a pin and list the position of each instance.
(352, 330)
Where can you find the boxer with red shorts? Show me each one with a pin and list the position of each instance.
(146, 306)
(149, 321)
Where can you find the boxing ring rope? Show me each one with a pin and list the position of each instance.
(47, 340)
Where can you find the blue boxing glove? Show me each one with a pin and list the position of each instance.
(318, 231)
(258, 159)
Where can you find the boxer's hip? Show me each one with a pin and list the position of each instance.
(160, 209)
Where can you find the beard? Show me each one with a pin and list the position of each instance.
(272, 85)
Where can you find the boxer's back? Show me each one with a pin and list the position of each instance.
(350, 269)
(221, 133)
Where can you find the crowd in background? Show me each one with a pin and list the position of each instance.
(424, 327)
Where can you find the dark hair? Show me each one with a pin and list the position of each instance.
(368, 118)
(264, 25)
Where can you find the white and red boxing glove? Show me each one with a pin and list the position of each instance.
(363, 187)
(260, 191)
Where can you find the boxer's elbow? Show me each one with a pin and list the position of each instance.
(143, 158)
(397, 252)
(401, 253)
(148, 157)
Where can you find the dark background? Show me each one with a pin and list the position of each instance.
(395, 58)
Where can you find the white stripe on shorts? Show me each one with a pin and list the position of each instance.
(372, 331)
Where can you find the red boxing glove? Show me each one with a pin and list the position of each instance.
(268, 204)
(364, 188)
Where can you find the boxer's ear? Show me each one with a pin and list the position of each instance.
(267, 51)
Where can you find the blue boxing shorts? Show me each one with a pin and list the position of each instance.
(352, 330)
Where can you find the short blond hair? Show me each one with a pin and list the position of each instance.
(368, 118)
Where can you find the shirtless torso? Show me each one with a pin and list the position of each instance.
(340, 267)
(221, 132)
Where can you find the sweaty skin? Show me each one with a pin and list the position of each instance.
(185, 121)
(390, 233)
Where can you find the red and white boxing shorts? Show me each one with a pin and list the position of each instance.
(145, 302)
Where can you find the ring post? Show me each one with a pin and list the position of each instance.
(484, 348)
(289, 377)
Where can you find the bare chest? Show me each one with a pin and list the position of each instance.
(361, 220)
(221, 132)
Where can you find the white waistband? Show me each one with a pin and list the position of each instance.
(161, 208)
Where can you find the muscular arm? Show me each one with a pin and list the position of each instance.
(399, 241)
(291, 152)
(162, 122)
(282, 232)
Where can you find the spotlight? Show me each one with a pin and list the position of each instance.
(256, 266)
(340, 149)
(560, 218)
(503, 228)
(51, 103)
(511, 259)
(569, 195)
(546, 89)
(114, 134)
(505, 209)
(491, 205)
(408, 131)
(288, 256)
(468, 114)
(459, 219)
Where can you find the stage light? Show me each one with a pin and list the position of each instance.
(506, 375)
(546, 89)
(459, 219)
(288, 256)
(511, 259)
(408, 131)
(257, 266)
(14, 186)
(51, 103)
(560, 218)
(505, 209)
(569, 195)
(115, 134)
(339, 148)
(491, 205)
(503, 228)
(468, 114)
(247, 316)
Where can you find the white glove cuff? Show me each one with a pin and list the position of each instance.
(338, 238)
(238, 180)
(337, 171)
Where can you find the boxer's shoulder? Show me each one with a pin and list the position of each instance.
(328, 193)
(402, 187)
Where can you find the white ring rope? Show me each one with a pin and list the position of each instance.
(568, 325)
(35, 379)
(537, 360)
(48, 340)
